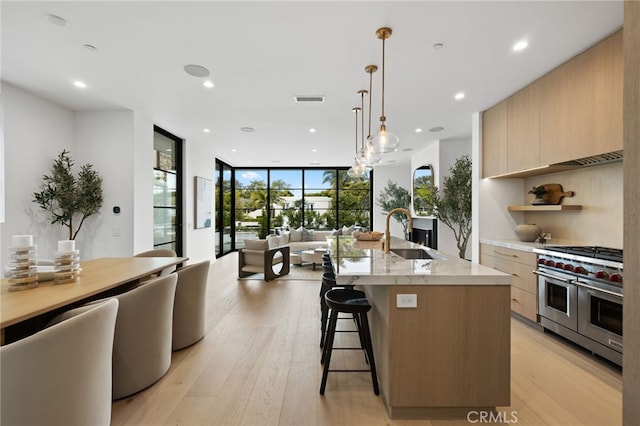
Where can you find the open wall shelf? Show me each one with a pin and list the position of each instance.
(544, 208)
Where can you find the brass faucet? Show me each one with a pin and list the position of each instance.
(387, 238)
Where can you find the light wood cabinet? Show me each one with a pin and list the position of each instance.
(520, 265)
(523, 126)
(494, 140)
(574, 111)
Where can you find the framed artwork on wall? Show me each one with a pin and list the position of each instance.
(204, 198)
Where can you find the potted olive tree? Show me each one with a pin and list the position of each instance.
(452, 204)
(69, 199)
(394, 196)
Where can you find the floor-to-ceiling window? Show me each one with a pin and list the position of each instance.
(264, 200)
(167, 191)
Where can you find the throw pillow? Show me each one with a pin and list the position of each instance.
(307, 235)
(336, 232)
(295, 235)
(347, 230)
(256, 244)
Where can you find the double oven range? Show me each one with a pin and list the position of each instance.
(580, 296)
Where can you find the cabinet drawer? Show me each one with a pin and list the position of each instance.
(524, 303)
(523, 277)
(509, 254)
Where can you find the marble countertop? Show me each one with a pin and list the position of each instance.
(365, 263)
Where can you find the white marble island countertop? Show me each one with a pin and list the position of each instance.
(365, 263)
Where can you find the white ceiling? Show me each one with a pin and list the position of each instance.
(262, 54)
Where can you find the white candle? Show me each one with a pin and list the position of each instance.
(22, 241)
(66, 245)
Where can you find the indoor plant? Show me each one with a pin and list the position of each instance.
(67, 197)
(452, 204)
(394, 196)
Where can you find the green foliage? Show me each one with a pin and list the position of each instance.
(421, 187)
(66, 197)
(452, 205)
(394, 196)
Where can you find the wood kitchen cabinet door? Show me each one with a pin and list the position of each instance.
(581, 104)
(494, 140)
(523, 129)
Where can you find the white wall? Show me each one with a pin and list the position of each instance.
(143, 180)
(36, 131)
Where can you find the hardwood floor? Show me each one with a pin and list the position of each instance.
(259, 364)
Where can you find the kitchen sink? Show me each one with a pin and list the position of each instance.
(411, 253)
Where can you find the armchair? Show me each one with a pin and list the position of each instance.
(257, 257)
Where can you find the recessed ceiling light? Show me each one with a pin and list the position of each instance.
(90, 47)
(459, 95)
(407, 149)
(521, 45)
(234, 150)
(314, 150)
(247, 129)
(312, 130)
(436, 129)
(196, 70)
(80, 84)
(437, 46)
(208, 84)
(56, 20)
(418, 130)
(391, 161)
(206, 130)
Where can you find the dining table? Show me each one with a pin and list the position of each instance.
(24, 312)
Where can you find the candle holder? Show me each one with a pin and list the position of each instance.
(22, 270)
(67, 266)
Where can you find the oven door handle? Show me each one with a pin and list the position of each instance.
(597, 289)
(553, 277)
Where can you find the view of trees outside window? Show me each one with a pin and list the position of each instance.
(268, 200)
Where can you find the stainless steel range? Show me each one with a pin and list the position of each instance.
(580, 296)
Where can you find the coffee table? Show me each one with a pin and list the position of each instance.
(313, 256)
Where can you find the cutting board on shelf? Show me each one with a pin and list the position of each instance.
(555, 194)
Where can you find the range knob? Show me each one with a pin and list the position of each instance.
(568, 267)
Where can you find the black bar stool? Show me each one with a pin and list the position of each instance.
(352, 302)
(328, 283)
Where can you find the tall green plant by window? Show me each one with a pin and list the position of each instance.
(394, 196)
(68, 198)
(452, 205)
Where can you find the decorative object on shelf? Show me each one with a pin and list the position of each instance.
(21, 268)
(65, 196)
(394, 196)
(383, 141)
(66, 263)
(528, 233)
(453, 205)
(549, 193)
(538, 193)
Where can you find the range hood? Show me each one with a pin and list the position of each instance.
(594, 160)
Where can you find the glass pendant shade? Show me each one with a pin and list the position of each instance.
(367, 157)
(383, 141)
(357, 170)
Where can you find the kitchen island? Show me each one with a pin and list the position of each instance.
(440, 327)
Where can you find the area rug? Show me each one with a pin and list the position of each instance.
(299, 273)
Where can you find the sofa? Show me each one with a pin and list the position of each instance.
(306, 239)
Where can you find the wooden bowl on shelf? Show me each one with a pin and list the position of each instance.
(368, 236)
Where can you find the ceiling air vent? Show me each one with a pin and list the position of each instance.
(313, 99)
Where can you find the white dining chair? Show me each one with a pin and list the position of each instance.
(62, 374)
(189, 307)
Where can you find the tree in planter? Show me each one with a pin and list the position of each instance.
(452, 205)
(394, 196)
(67, 197)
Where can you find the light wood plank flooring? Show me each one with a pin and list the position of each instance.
(259, 364)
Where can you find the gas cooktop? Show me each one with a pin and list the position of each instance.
(597, 252)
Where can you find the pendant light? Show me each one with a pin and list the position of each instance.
(366, 155)
(357, 170)
(383, 141)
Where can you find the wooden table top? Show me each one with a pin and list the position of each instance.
(96, 276)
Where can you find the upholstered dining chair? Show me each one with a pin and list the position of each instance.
(142, 343)
(62, 374)
(256, 257)
(189, 307)
(160, 253)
